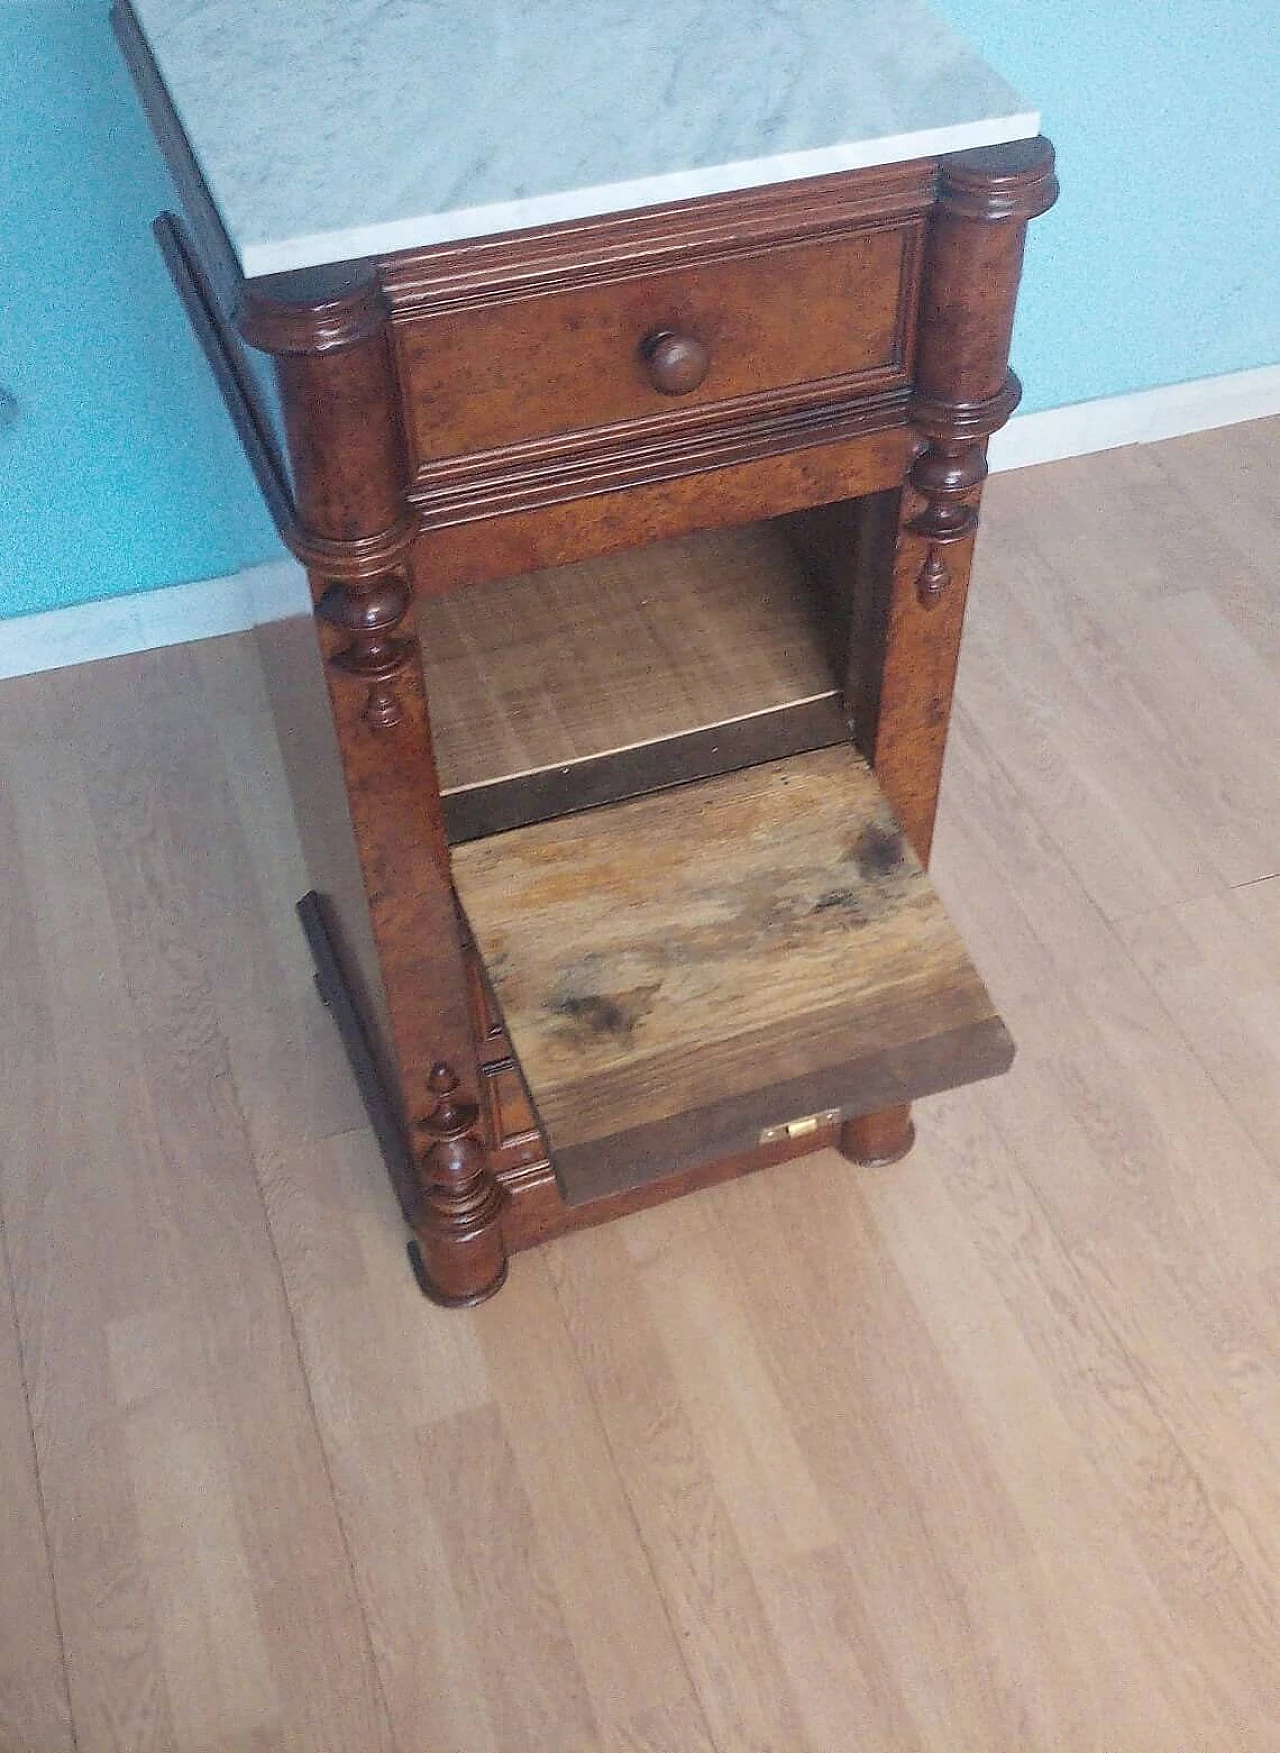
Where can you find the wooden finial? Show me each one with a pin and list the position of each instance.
(370, 610)
(462, 1257)
(933, 578)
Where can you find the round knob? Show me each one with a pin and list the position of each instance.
(677, 363)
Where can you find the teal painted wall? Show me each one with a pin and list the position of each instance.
(118, 468)
(119, 471)
(1161, 261)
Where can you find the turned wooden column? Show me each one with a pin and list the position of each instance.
(353, 532)
(909, 630)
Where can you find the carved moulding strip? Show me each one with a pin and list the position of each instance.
(592, 251)
(528, 477)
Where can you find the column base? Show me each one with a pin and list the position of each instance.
(876, 1140)
(451, 1300)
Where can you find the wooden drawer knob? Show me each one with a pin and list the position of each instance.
(677, 363)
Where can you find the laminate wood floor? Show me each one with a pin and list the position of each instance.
(977, 1454)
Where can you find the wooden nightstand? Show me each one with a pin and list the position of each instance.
(639, 542)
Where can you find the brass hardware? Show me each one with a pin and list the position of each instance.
(800, 1128)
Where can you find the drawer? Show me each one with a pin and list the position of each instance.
(686, 975)
(819, 318)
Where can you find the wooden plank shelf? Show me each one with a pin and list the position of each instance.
(564, 689)
(684, 972)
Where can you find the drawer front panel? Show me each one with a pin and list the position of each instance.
(795, 316)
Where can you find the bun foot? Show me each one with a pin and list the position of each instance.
(443, 1299)
(458, 1256)
(876, 1140)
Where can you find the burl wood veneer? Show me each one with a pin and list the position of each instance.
(676, 506)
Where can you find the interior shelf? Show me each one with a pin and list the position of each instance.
(686, 971)
(588, 683)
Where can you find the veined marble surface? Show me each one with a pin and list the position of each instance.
(328, 129)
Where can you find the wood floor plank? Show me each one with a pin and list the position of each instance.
(1163, 1508)
(789, 1538)
(688, 1535)
(1216, 965)
(155, 1219)
(492, 1545)
(626, 1648)
(1228, 481)
(508, 1597)
(72, 1105)
(1084, 775)
(1138, 721)
(1035, 927)
(34, 1707)
(946, 1572)
(1084, 518)
(1112, 1122)
(1218, 702)
(966, 1235)
(1110, 749)
(210, 724)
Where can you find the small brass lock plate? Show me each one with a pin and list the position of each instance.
(800, 1127)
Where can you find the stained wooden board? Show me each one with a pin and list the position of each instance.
(679, 971)
(581, 661)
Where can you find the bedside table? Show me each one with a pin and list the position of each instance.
(626, 399)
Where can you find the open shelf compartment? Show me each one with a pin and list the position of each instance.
(684, 972)
(583, 684)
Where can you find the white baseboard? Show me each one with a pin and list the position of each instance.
(1144, 417)
(172, 615)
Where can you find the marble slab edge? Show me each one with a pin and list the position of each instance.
(287, 255)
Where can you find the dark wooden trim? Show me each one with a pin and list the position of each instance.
(458, 1256)
(649, 510)
(537, 1213)
(240, 392)
(905, 665)
(348, 466)
(875, 1140)
(335, 989)
(698, 754)
(222, 266)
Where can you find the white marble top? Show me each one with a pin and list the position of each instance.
(328, 129)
